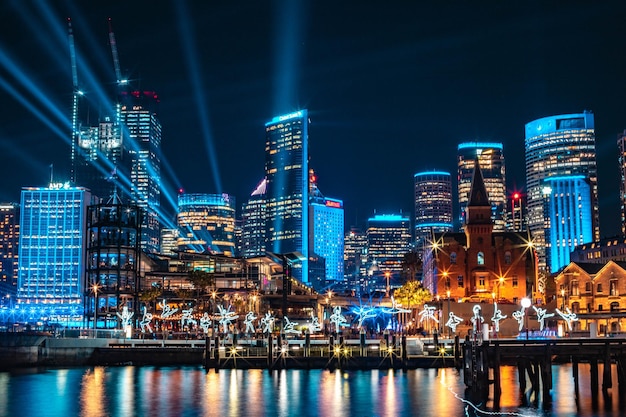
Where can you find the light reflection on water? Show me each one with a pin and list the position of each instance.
(190, 391)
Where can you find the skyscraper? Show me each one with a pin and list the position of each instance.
(355, 257)
(142, 130)
(562, 145)
(327, 225)
(254, 213)
(491, 159)
(9, 244)
(433, 204)
(388, 240)
(52, 247)
(207, 223)
(568, 202)
(621, 145)
(287, 172)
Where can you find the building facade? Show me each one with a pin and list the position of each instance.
(142, 133)
(621, 145)
(206, 223)
(562, 145)
(52, 248)
(327, 223)
(9, 244)
(433, 204)
(287, 192)
(490, 156)
(388, 240)
(254, 214)
(568, 203)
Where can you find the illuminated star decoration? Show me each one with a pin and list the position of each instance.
(453, 321)
(542, 315)
(145, 321)
(337, 318)
(268, 323)
(363, 314)
(476, 319)
(290, 326)
(226, 317)
(205, 322)
(428, 313)
(126, 316)
(167, 310)
(497, 316)
(568, 316)
(187, 318)
(395, 309)
(249, 322)
(314, 325)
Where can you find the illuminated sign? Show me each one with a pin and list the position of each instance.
(286, 117)
(331, 203)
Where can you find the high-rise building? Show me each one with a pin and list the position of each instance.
(355, 257)
(388, 240)
(517, 219)
(557, 146)
(568, 202)
(287, 175)
(491, 159)
(206, 223)
(9, 244)
(433, 204)
(52, 247)
(142, 131)
(327, 229)
(253, 214)
(169, 240)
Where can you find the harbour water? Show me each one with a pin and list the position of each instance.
(191, 391)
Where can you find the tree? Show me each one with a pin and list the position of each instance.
(200, 281)
(412, 294)
(150, 295)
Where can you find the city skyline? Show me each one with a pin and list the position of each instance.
(380, 84)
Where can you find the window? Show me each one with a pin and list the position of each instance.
(459, 281)
(481, 281)
(453, 258)
(587, 286)
(613, 288)
(599, 288)
(480, 258)
(614, 306)
(575, 290)
(514, 282)
(507, 258)
(575, 307)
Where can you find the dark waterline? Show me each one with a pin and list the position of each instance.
(190, 391)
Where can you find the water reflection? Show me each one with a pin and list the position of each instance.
(151, 391)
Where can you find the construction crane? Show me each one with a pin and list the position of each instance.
(76, 93)
(116, 61)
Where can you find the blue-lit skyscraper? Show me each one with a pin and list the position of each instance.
(568, 202)
(433, 204)
(287, 192)
(253, 214)
(207, 223)
(327, 224)
(557, 146)
(52, 247)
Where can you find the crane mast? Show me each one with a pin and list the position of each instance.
(116, 61)
(75, 97)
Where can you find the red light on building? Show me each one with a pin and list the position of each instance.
(516, 196)
(335, 204)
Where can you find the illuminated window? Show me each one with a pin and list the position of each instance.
(453, 258)
(480, 258)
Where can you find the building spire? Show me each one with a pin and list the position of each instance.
(478, 193)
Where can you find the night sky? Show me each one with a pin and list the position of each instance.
(392, 87)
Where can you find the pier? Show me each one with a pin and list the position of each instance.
(534, 360)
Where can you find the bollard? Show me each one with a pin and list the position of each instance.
(270, 351)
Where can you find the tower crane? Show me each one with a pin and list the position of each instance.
(76, 93)
(116, 61)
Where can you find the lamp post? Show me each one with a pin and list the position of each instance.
(526, 305)
(448, 295)
(500, 283)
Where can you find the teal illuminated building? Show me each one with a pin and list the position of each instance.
(388, 240)
(287, 192)
(52, 250)
(567, 201)
(558, 146)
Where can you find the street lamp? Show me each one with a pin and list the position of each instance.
(448, 295)
(526, 305)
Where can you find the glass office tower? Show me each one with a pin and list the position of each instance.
(328, 225)
(254, 213)
(9, 244)
(287, 193)
(562, 145)
(491, 159)
(388, 240)
(433, 204)
(52, 247)
(207, 223)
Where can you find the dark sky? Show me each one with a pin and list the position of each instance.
(392, 87)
